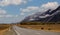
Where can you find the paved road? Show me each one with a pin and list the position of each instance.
(23, 31)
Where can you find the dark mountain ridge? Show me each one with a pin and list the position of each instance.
(48, 16)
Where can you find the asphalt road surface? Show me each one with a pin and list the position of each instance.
(23, 31)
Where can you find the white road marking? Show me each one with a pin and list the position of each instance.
(17, 32)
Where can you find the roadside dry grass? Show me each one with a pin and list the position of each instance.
(2, 31)
(53, 27)
(4, 28)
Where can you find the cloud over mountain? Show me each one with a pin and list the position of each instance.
(42, 8)
(47, 16)
(50, 5)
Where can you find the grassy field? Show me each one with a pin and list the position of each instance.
(5, 29)
(54, 27)
(2, 31)
(4, 26)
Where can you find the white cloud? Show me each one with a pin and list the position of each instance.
(1, 16)
(50, 5)
(29, 9)
(16, 15)
(2, 11)
(6, 16)
(13, 2)
(42, 8)
(22, 13)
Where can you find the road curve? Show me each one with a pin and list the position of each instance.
(23, 31)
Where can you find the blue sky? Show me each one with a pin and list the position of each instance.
(12, 11)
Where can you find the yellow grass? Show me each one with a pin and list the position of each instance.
(53, 28)
(46, 27)
(3, 28)
(3, 31)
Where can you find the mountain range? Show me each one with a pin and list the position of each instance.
(48, 16)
